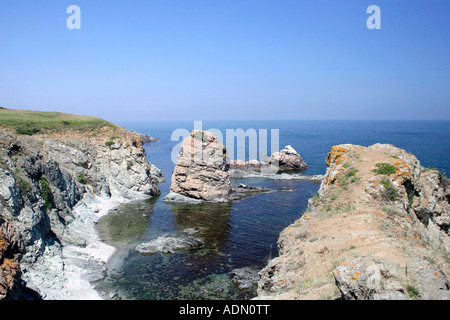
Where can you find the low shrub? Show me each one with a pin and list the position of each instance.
(390, 192)
(46, 193)
(384, 168)
(81, 178)
(27, 130)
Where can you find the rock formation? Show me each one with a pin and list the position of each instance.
(246, 277)
(145, 137)
(50, 184)
(286, 160)
(169, 244)
(202, 168)
(202, 172)
(378, 229)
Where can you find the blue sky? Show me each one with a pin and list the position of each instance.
(227, 59)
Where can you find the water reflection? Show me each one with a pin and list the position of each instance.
(212, 219)
(186, 274)
(126, 223)
(238, 234)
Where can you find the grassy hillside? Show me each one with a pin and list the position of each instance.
(32, 122)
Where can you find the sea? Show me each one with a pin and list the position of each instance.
(243, 233)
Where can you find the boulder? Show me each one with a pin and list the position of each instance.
(169, 244)
(246, 277)
(288, 159)
(370, 278)
(428, 279)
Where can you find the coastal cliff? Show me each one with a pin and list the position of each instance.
(377, 229)
(59, 174)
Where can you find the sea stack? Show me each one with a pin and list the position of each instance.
(202, 168)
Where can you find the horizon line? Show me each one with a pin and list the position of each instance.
(273, 120)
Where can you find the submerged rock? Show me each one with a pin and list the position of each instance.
(241, 191)
(243, 174)
(179, 198)
(191, 231)
(169, 244)
(238, 192)
(246, 277)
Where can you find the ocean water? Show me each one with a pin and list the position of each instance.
(243, 233)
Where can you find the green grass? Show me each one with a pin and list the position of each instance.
(413, 292)
(81, 178)
(390, 192)
(200, 135)
(27, 130)
(348, 177)
(109, 143)
(23, 184)
(384, 168)
(129, 165)
(33, 122)
(46, 193)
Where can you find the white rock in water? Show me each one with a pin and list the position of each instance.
(169, 244)
(288, 159)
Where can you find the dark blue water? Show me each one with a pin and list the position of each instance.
(243, 233)
(429, 141)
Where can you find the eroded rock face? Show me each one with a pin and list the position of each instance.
(369, 278)
(202, 168)
(10, 255)
(47, 182)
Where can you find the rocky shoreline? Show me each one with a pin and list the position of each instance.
(377, 229)
(54, 187)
